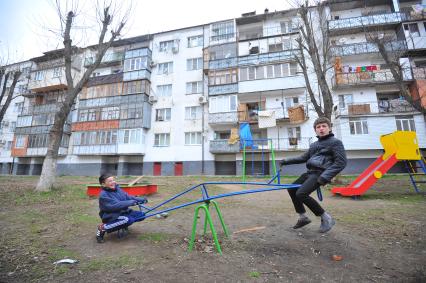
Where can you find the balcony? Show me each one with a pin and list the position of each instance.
(42, 151)
(39, 109)
(223, 89)
(290, 144)
(108, 59)
(366, 48)
(415, 43)
(419, 73)
(259, 31)
(143, 74)
(223, 146)
(342, 80)
(266, 58)
(95, 149)
(374, 108)
(341, 26)
(106, 79)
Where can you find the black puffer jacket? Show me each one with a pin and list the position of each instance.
(327, 155)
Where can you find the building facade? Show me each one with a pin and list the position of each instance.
(177, 102)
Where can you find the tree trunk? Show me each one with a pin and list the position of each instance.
(9, 94)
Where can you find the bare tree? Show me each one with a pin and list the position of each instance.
(391, 52)
(313, 45)
(7, 92)
(106, 16)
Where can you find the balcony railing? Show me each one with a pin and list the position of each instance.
(95, 149)
(39, 109)
(365, 21)
(223, 118)
(374, 108)
(287, 55)
(419, 73)
(366, 48)
(108, 58)
(362, 78)
(223, 89)
(223, 146)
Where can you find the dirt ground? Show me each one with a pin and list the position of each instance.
(380, 237)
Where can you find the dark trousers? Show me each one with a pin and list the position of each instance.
(301, 196)
(124, 220)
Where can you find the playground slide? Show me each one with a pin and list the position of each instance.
(367, 178)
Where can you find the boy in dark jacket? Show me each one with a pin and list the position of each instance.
(324, 160)
(114, 207)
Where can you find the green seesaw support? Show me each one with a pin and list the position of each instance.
(208, 220)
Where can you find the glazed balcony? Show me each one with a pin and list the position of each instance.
(223, 63)
(342, 26)
(108, 60)
(266, 58)
(363, 48)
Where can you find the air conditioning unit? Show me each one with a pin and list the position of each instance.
(152, 98)
(152, 64)
(202, 99)
(175, 49)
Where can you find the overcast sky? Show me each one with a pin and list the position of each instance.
(28, 26)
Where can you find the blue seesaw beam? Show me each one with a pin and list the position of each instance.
(152, 211)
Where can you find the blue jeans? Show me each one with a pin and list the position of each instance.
(124, 220)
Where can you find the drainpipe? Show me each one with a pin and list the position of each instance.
(202, 113)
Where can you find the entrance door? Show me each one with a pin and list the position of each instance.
(157, 168)
(178, 168)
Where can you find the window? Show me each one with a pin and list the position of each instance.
(291, 102)
(133, 87)
(164, 90)
(286, 27)
(194, 41)
(193, 138)
(344, 100)
(294, 135)
(194, 87)
(222, 77)
(131, 111)
(162, 140)
(57, 72)
(26, 70)
(35, 141)
(194, 64)
(82, 115)
(358, 126)
(193, 113)
(12, 127)
(22, 89)
(405, 123)
(19, 106)
(39, 75)
(166, 45)
(131, 136)
(165, 68)
(163, 114)
(96, 74)
(110, 113)
(275, 47)
(222, 31)
(135, 64)
(24, 121)
(413, 29)
(222, 103)
(20, 142)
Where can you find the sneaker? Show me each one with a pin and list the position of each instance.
(100, 233)
(302, 222)
(326, 224)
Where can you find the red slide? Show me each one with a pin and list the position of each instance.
(367, 178)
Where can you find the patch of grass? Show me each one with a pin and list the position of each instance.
(254, 274)
(58, 253)
(108, 263)
(79, 218)
(153, 237)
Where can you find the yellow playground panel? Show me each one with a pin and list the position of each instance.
(403, 144)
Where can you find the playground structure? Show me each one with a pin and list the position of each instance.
(398, 146)
(253, 147)
(206, 200)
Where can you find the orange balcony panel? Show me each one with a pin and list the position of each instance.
(418, 91)
(21, 151)
(98, 125)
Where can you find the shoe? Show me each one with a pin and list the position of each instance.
(326, 224)
(100, 233)
(302, 222)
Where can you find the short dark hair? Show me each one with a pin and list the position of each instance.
(322, 120)
(103, 177)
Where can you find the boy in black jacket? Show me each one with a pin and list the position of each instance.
(325, 159)
(114, 207)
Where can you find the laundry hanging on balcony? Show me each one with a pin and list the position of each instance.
(245, 135)
(266, 119)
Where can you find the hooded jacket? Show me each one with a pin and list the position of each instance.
(326, 156)
(113, 203)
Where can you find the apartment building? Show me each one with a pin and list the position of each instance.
(177, 102)
(368, 103)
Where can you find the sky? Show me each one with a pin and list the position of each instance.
(29, 27)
